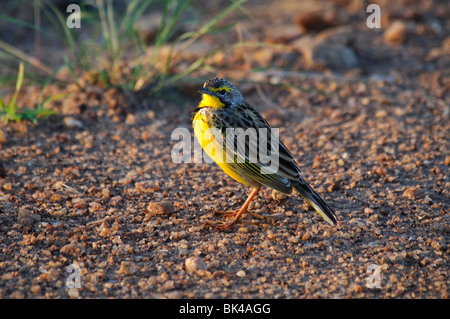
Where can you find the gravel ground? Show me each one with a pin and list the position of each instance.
(94, 189)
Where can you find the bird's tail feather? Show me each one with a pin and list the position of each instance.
(316, 202)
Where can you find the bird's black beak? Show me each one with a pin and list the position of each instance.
(205, 90)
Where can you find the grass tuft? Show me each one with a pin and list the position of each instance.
(113, 54)
(10, 111)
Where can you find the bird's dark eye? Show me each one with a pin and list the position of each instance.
(222, 92)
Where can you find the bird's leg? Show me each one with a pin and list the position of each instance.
(241, 211)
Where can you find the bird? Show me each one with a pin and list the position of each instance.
(221, 112)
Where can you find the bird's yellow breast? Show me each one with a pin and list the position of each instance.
(206, 136)
(214, 147)
(201, 124)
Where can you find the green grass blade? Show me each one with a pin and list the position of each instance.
(131, 6)
(20, 77)
(103, 22)
(67, 35)
(12, 103)
(134, 11)
(191, 68)
(158, 39)
(26, 25)
(112, 30)
(2, 105)
(211, 23)
(170, 17)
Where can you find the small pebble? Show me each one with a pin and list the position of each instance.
(73, 293)
(160, 208)
(306, 236)
(127, 268)
(396, 32)
(130, 119)
(243, 230)
(35, 289)
(27, 218)
(2, 137)
(194, 264)
(411, 193)
(72, 123)
(69, 249)
(447, 160)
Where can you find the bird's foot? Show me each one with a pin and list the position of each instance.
(229, 219)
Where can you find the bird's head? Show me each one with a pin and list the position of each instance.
(219, 93)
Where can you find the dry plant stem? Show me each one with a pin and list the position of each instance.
(25, 57)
